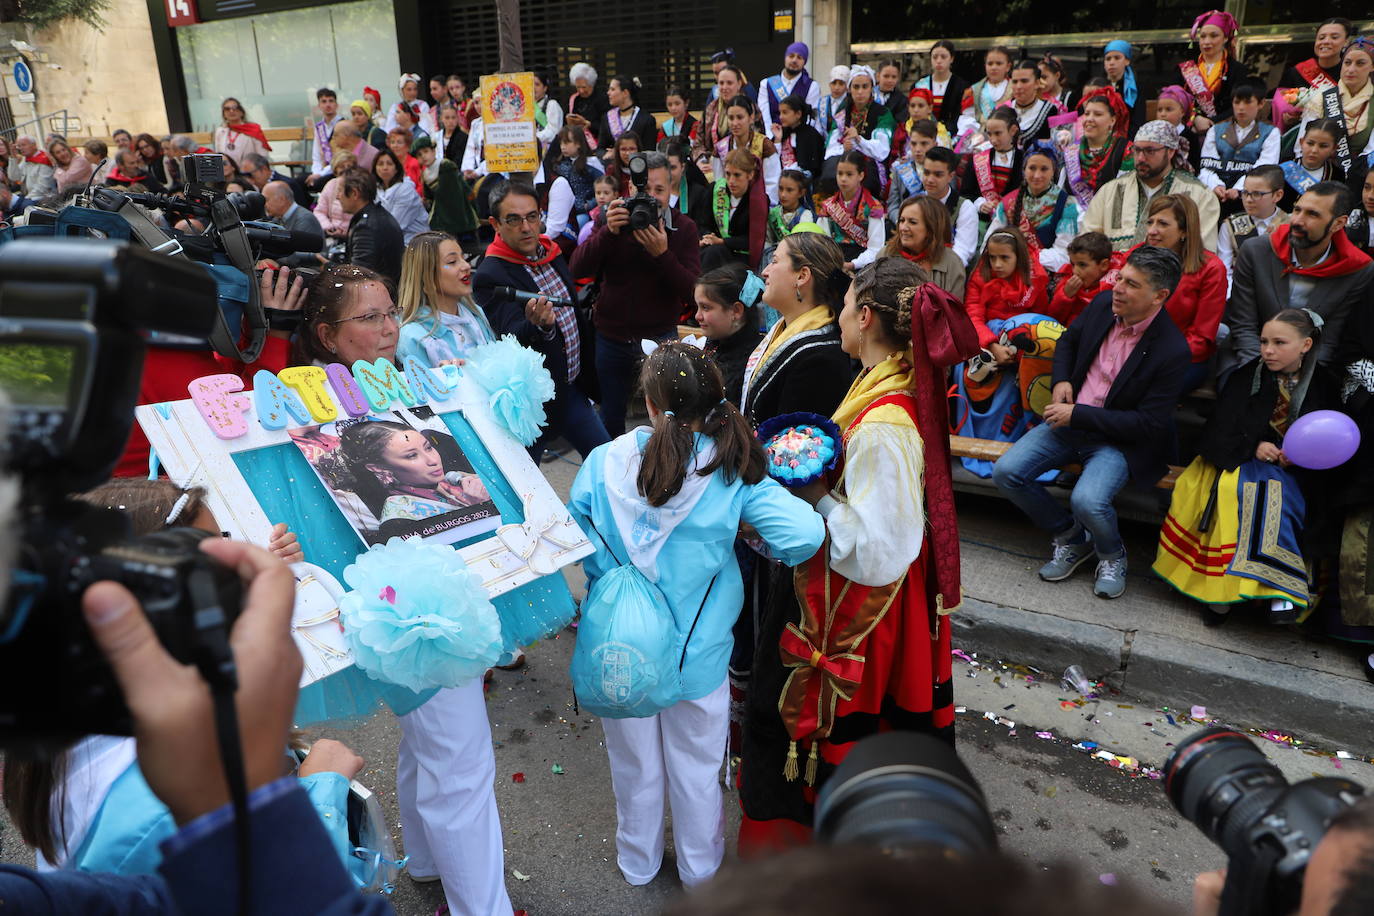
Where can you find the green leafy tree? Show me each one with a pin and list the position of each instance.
(44, 13)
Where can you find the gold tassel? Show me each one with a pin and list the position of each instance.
(811, 765)
(789, 769)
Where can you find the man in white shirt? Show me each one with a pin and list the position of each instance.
(940, 165)
(793, 80)
(1263, 189)
(320, 154)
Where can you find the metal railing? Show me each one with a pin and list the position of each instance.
(58, 122)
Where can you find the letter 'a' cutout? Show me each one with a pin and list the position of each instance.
(426, 383)
(382, 383)
(346, 390)
(274, 402)
(223, 410)
(308, 382)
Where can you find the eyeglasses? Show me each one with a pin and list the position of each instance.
(373, 320)
(231, 108)
(1256, 195)
(529, 219)
(1150, 150)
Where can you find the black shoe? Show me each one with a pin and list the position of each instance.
(1282, 612)
(1214, 615)
(1368, 664)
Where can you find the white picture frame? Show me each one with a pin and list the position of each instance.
(548, 539)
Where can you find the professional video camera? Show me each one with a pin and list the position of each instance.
(1219, 780)
(642, 207)
(73, 315)
(229, 247)
(906, 794)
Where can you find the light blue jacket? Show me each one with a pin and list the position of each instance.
(131, 824)
(701, 546)
(424, 324)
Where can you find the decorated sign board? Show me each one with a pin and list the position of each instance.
(508, 122)
(380, 459)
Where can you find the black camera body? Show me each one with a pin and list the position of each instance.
(1220, 781)
(73, 314)
(642, 207)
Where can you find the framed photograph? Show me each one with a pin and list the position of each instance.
(439, 468)
(400, 476)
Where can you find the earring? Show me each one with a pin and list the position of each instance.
(799, 298)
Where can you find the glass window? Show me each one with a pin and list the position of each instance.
(274, 62)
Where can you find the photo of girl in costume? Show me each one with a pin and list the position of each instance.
(399, 477)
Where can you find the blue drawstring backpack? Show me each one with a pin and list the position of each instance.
(627, 662)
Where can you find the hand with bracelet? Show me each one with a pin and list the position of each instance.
(282, 297)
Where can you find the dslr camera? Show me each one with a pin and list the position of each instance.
(1219, 780)
(642, 207)
(73, 317)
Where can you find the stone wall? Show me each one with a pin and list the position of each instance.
(108, 79)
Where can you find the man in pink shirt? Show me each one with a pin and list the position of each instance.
(1118, 374)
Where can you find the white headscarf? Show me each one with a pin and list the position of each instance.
(862, 70)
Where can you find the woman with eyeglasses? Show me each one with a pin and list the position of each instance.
(237, 136)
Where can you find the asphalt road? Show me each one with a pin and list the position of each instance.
(1050, 801)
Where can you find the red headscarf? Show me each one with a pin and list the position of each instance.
(1121, 124)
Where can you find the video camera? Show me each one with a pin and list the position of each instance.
(642, 207)
(1219, 780)
(73, 315)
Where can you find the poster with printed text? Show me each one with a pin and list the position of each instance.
(508, 122)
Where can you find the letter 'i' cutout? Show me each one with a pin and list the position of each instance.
(308, 381)
(274, 402)
(223, 410)
(382, 383)
(427, 384)
(346, 390)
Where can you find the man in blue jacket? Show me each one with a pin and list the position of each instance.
(1118, 374)
(522, 259)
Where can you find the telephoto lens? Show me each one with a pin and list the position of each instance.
(906, 794)
(1222, 783)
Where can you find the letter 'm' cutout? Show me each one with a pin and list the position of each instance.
(308, 382)
(426, 383)
(346, 390)
(275, 402)
(224, 411)
(382, 383)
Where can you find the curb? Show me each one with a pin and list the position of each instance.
(1256, 692)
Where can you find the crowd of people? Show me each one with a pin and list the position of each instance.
(1072, 263)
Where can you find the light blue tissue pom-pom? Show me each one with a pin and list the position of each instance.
(418, 617)
(516, 383)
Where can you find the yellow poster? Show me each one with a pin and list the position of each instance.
(508, 122)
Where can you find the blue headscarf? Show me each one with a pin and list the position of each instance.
(1128, 90)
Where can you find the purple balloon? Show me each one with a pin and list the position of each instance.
(1321, 439)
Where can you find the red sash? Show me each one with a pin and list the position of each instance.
(825, 650)
(982, 173)
(1312, 71)
(854, 228)
(1198, 87)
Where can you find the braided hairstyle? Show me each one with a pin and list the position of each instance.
(684, 385)
(887, 287)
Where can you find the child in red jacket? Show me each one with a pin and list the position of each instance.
(1006, 282)
(1079, 281)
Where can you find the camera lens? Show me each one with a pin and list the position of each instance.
(904, 792)
(1221, 782)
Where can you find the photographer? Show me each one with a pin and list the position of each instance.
(294, 867)
(647, 275)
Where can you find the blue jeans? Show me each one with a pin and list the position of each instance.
(1090, 504)
(571, 416)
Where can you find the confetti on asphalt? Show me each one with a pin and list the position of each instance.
(1049, 735)
(519, 875)
(1108, 879)
(517, 777)
(1052, 791)
(558, 770)
(1199, 713)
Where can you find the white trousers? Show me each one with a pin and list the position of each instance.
(445, 786)
(679, 750)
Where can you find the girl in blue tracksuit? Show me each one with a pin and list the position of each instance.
(671, 498)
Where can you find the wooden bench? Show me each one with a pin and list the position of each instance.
(991, 450)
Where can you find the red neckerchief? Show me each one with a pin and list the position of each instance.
(1345, 258)
(115, 174)
(499, 249)
(39, 157)
(251, 130)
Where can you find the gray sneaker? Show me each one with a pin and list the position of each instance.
(1111, 578)
(1066, 560)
